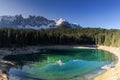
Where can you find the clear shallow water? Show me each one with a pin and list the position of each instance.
(67, 64)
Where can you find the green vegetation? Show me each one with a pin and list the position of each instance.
(59, 36)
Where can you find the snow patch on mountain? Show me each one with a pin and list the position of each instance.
(60, 21)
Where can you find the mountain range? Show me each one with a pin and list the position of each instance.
(34, 22)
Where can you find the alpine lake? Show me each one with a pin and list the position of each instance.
(60, 64)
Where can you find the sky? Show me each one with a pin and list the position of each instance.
(87, 13)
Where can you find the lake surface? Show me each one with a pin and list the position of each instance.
(60, 64)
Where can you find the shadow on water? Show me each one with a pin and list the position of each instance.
(84, 54)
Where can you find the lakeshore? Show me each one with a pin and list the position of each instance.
(110, 74)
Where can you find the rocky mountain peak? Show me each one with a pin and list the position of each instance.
(34, 22)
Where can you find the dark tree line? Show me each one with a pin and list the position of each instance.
(59, 36)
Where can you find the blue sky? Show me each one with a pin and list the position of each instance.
(88, 13)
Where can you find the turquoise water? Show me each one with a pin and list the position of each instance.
(66, 64)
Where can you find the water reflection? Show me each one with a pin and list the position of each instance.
(52, 64)
(66, 54)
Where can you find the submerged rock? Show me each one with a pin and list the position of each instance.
(106, 67)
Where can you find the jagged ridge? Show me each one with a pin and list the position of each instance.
(34, 22)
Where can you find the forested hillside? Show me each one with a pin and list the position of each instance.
(59, 36)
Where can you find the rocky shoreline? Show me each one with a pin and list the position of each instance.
(6, 65)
